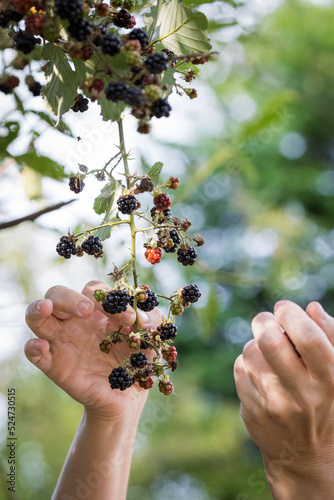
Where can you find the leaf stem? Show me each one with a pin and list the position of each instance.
(114, 223)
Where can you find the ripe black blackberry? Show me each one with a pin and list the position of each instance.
(169, 54)
(160, 108)
(111, 44)
(122, 19)
(24, 42)
(167, 331)
(176, 240)
(66, 247)
(187, 256)
(81, 104)
(139, 360)
(157, 62)
(6, 16)
(5, 89)
(68, 9)
(116, 91)
(35, 89)
(141, 36)
(76, 184)
(190, 293)
(150, 303)
(116, 302)
(120, 379)
(80, 29)
(127, 204)
(133, 97)
(93, 246)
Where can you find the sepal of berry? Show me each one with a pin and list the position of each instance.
(176, 308)
(153, 255)
(100, 295)
(106, 346)
(191, 93)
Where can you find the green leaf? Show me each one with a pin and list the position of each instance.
(154, 172)
(168, 79)
(150, 19)
(13, 131)
(181, 30)
(110, 110)
(104, 233)
(42, 165)
(61, 89)
(106, 201)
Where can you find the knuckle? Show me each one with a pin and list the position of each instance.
(268, 342)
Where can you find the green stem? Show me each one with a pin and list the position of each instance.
(132, 219)
(116, 223)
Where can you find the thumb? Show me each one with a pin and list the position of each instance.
(150, 320)
(37, 351)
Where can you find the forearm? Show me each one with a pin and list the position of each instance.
(99, 460)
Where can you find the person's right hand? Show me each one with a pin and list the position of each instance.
(70, 326)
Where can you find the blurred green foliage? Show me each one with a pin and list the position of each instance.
(263, 187)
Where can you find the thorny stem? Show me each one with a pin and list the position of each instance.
(132, 219)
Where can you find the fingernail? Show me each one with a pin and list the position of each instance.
(83, 307)
(279, 304)
(38, 305)
(38, 345)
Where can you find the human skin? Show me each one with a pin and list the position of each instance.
(69, 327)
(287, 401)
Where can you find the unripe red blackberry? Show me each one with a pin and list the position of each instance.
(138, 360)
(80, 29)
(120, 379)
(98, 84)
(153, 255)
(187, 256)
(111, 44)
(141, 35)
(146, 383)
(162, 201)
(190, 293)
(68, 9)
(127, 204)
(66, 247)
(133, 22)
(116, 302)
(81, 104)
(8, 84)
(160, 108)
(169, 354)
(173, 183)
(34, 24)
(102, 10)
(167, 331)
(166, 387)
(76, 184)
(24, 42)
(93, 246)
(122, 19)
(156, 63)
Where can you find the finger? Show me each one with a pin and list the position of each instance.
(278, 351)
(68, 303)
(37, 351)
(39, 318)
(126, 318)
(310, 340)
(151, 320)
(246, 390)
(324, 320)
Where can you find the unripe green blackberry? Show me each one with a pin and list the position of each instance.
(99, 295)
(153, 92)
(129, 4)
(139, 360)
(120, 379)
(176, 308)
(106, 346)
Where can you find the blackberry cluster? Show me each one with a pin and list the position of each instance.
(127, 204)
(187, 256)
(160, 108)
(80, 29)
(149, 304)
(111, 44)
(6, 16)
(190, 293)
(141, 36)
(122, 19)
(81, 104)
(156, 63)
(116, 302)
(120, 379)
(92, 245)
(24, 42)
(139, 360)
(176, 240)
(167, 331)
(76, 184)
(66, 247)
(68, 9)
(35, 89)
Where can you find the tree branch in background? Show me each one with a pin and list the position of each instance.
(35, 215)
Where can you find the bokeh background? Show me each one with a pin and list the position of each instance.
(255, 156)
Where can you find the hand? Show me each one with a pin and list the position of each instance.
(70, 326)
(287, 402)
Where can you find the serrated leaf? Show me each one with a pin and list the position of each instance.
(181, 30)
(105, 198)
(155, 171)
(42, 165)
(104, 233)
(110, 110)
(61, 89)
